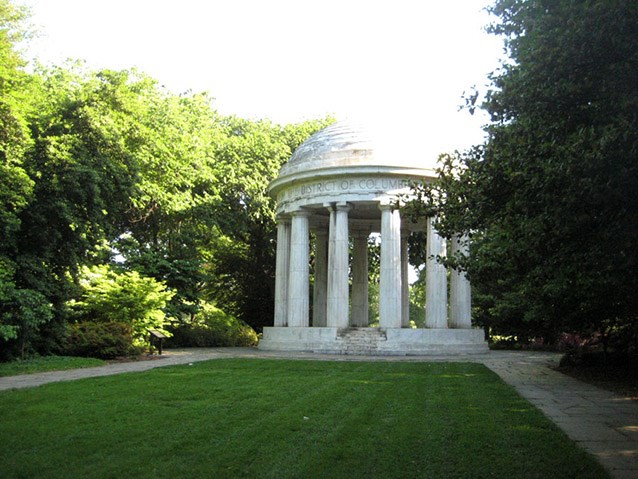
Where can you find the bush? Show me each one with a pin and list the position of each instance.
(106, 340)
(212, 327)
(127, 297)
(23, 312)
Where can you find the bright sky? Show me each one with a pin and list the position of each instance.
(291, 60)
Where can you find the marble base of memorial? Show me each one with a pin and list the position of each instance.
(374, 341)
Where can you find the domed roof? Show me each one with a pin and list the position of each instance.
(352, 162)
(352, 145)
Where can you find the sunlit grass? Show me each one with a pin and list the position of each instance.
(46, 363)
(285, 419)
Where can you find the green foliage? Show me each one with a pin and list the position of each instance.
(83, 176)
(211, 327)
(417, 301)
(103, 340)
(614, 371)
(241, 254)
(550, 199)
(175, 209)
(22, 311)
(129, 298)
(14, 103)
(102, 164)
(21, 308)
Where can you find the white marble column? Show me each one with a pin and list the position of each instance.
(338, 294)
(435, 280)
(282, 267)
(390, 279)
(460, 291)
(298, 281)
(405, 282)
(321, 279)
(360, 279)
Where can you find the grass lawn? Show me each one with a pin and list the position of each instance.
(47, 363)
(285, 419)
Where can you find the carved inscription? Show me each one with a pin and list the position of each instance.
(343, 186)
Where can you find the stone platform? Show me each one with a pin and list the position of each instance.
(374, 341)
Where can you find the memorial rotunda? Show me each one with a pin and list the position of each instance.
(341, 185)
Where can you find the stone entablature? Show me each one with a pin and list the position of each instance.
(346, 188)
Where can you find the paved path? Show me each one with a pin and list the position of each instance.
(601, 422)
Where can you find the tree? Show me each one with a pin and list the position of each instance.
(177, 207)
(94, 166)
(22, 309)
(550, 199)
(240, 259)
(107, 168)
(83, 174)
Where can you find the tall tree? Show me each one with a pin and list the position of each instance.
(551, 198)
(83, 173)
(177, 206)
(241, 258)
(22, 308)
(103, 167)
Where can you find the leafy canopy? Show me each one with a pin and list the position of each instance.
(550, 198)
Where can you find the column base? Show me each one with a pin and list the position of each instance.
(375, 341)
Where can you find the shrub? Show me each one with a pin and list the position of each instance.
(104, 340)
(23, 312)
(212, 327)
(122, 297)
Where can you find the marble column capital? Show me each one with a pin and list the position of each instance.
(343, 206)
(340, 206)
(388, 206)
(282, 219)
(300, 213)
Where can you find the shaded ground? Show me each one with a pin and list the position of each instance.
(618, 374)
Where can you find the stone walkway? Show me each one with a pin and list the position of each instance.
(601, 422)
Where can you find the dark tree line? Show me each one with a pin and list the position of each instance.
(551, 198)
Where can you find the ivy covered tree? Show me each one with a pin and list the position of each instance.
(551, 198)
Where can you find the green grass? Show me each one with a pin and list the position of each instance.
(47, 363)
(285, 419)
